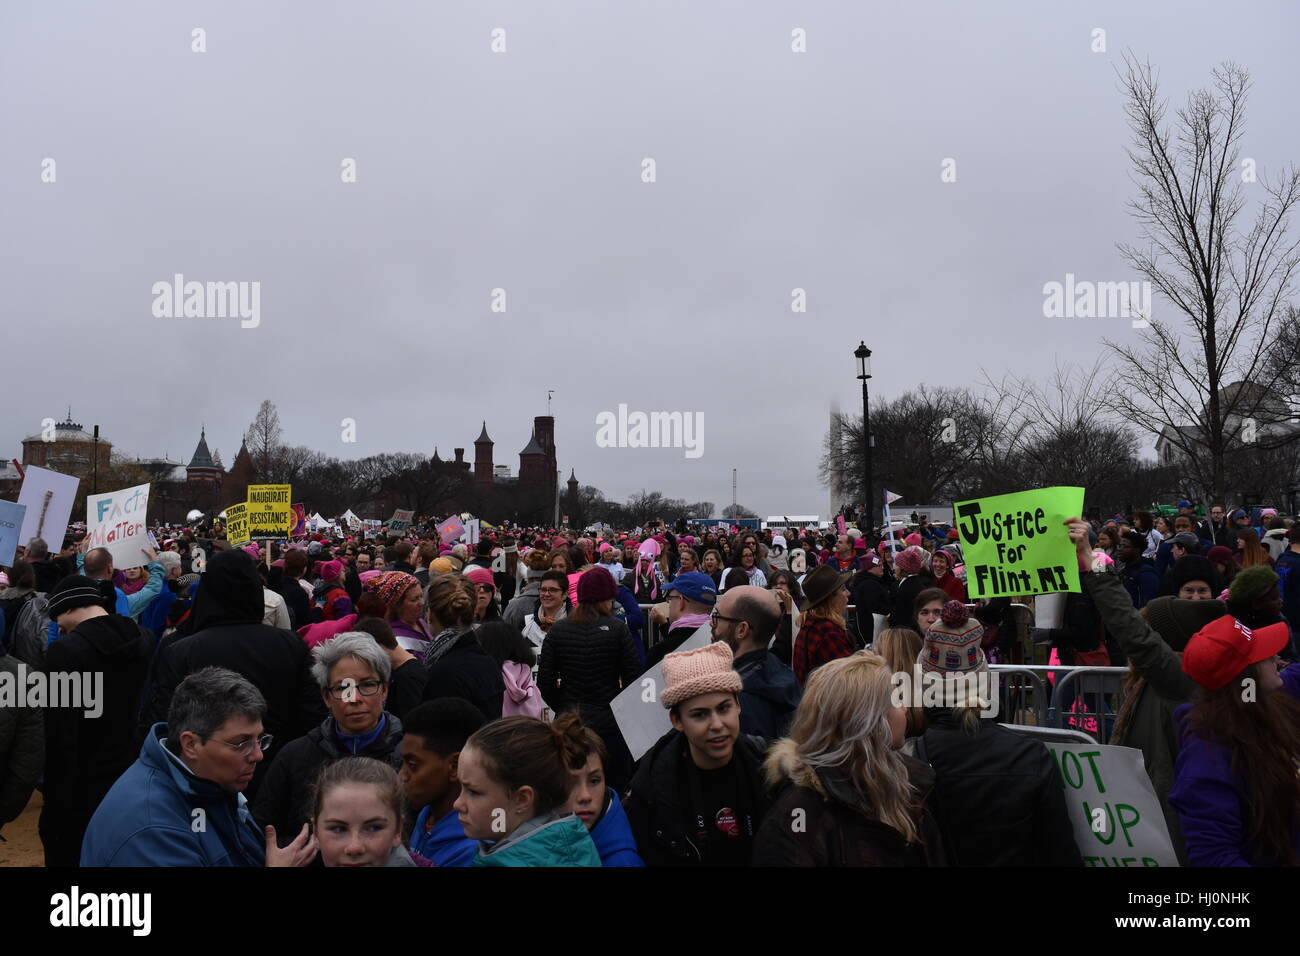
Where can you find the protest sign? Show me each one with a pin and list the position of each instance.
(116, 521)
(11, 523)
(299, 521)
(451, 529)
(237, 524)
(641, 718)
(1018, 543)
(400, 522)
(270, 512)
(472, 531)
(1113, 808)
(48, 497)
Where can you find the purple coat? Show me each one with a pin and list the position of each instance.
(1211, 798)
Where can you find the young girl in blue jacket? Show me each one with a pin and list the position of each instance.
(598, 807)
(514, 793)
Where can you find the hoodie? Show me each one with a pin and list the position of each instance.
(445, 842)
(522, 697)
(84, 755)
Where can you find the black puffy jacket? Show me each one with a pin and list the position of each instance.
(584, 666)
(467, 671)
(998, 797)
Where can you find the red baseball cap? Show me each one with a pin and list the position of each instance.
(1225, 647)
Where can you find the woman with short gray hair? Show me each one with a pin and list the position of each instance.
(353, 672)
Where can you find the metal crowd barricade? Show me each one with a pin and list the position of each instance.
(1023, 696)
(1088, 699)
(652, 633)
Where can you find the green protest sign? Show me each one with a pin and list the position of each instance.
(1018, 544)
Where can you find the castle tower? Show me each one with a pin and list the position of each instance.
(483, 457)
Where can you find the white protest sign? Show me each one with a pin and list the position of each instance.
(472, 531)
(642, 719)
(48, 497)
(1113, 807)
(116, 521)
(400, 522)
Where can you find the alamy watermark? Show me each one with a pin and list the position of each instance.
(978, 689)
(76, 690)
(623, 429)
(179, 299)
(1084, 299)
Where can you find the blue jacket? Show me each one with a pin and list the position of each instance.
(445, 843)
(550, 840)
(771, 694)
(1141, 582)
(613, 837)
(1212, 800)
(150, 818)
(633, 617)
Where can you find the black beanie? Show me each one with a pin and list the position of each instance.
(1193, 567)
(77, 590)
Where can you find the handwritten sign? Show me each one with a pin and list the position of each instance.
(48, 497)
(400, 522)
(270, 511)
(237, 524)
(116, 521)
(11, 523)
(641, 718)
(1113, 807)
(1018, 544)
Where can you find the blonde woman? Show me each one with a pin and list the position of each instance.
(862, 802)
(900, 647)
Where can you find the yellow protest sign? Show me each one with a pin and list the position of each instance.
(270, 511)
(237, 524)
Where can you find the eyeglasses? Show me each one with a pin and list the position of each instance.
(484, 588)
(550, 590)
(366, 688)
(245, 747)
(715, 617)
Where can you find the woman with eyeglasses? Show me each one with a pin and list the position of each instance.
(552, 605)
(353, 672)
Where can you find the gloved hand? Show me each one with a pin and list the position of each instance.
(1040, 635)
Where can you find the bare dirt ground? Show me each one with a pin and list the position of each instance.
(22, 844)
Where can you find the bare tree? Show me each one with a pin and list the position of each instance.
(263, 440)
(737, 511)
(1228, 286)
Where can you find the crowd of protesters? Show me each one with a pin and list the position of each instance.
(335, 700)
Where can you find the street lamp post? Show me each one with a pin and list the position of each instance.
(863, 355)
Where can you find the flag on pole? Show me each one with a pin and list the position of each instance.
(890, 498)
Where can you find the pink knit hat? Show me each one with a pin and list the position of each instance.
(391, 586)
(913, 539)
(705, 670)
(329, 570)
(480, 576)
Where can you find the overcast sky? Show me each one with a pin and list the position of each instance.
(522, 170)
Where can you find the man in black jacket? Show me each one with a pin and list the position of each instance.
(872, 591)
(747, 618)
(88, 747)
(227, 631)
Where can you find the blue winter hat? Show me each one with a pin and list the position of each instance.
(694, 586)
(1184, 504)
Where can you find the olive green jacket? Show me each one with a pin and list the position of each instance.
(1150, 727)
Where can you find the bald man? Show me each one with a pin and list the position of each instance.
(747, 619)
